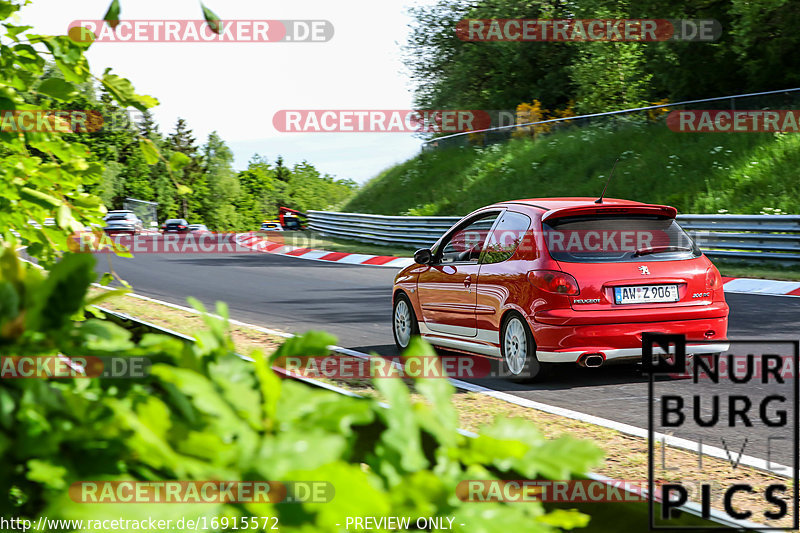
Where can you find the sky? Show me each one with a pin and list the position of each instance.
(236, 88)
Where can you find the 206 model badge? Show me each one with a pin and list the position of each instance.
(644, 271)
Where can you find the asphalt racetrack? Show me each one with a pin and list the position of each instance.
(354, 303)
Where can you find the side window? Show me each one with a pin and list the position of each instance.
(505, 238)
(466, 244)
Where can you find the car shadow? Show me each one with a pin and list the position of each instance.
(559, 377)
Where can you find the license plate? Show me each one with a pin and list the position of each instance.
(645, 294)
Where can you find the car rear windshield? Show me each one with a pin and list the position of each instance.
(625, 238)
(120, 216)
(176, 221)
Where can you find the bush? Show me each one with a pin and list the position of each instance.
(205, 414)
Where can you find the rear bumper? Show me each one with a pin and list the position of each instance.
(571, 317)
(563, 344)
(625, 354)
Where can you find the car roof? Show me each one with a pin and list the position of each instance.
(549, 204)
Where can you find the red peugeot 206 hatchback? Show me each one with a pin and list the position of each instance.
(561, 280)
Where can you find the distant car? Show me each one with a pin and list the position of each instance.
(561, 280)
(271, 226)
(198, 228)
(123, 221)
(176, 225)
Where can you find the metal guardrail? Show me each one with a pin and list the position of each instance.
(748, 237)
(420, 232)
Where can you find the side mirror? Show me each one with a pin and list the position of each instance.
(423, 256)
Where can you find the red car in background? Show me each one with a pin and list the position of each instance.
(561, 280)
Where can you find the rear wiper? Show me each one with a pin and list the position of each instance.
(659, 249)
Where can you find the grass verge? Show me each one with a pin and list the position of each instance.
(695, 172)
(758, 271)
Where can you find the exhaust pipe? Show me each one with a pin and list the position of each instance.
(591, 360)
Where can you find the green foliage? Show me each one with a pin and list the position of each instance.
(754, 53)
(264, 188)
(695, 172)
(112, 15)
(211, 18)
(610, 75)
(202, 413)
(44, 172)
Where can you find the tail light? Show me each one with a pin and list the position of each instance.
(713, 279)
(554, 281)
(182, 226)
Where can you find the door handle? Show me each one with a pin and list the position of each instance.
(467, 281)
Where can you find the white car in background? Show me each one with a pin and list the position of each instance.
(123, 221)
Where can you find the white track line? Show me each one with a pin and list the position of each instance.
(761, 286)
(675, 442)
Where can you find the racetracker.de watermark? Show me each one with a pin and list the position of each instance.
(168, 243)
(50, 121)
(61, 366)
(579, 30)
(198, 491)
(415, 366)
(574, 491)
(476, 242)
(380, 120)
(727, 121)
(200, 31)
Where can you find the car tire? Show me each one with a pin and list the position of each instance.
(518, 350)
(404, 322)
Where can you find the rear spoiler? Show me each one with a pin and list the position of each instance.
(584, 210)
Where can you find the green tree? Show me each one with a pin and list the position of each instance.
(755, 52)
(765, 41)
(223, 185)
(194, 206)
(261, 193)
(164, 190)
(451, 73)
(281, 172)
(308, 189)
